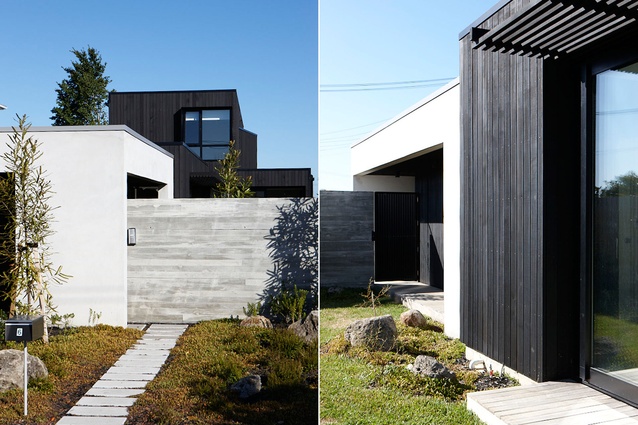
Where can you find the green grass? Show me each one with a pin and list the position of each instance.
(624, 335)
(193, 386)
(362, 387)
(76, 359)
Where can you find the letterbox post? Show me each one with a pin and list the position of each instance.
(24, 329)
(26, 380)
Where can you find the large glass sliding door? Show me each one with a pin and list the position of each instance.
(614, 356)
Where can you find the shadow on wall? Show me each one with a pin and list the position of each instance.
(293, 246)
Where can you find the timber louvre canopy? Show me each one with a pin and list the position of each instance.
(552, 28)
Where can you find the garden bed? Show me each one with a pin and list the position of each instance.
(76, 358)
(369, 387)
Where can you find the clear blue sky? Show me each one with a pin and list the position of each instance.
(380, 41)
(267, 50)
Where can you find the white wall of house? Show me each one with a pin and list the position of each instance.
(431, 124)
(422, 128)
(88, 168)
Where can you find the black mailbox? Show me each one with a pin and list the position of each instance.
(24, 329)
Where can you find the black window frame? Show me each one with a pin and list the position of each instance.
(198, 149)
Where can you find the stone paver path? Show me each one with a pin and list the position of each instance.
(107, 402)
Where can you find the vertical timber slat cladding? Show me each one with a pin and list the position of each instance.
(152, 114)
(246, 143)
(502, 142)
(346, 249)
(520, 131)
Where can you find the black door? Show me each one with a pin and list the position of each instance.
(396, 247)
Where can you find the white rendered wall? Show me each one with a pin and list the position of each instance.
(422, 128)
(452, 235)
(88, 169)
(383, 184)
(429, 125)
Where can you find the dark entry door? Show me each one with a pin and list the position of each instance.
(396, 247)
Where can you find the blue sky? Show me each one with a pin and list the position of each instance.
(380, 41)
(267, 50)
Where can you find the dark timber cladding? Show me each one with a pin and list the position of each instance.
(155, 114)
(501, 209)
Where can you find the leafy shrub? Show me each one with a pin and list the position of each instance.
(398, 377)
(289, 304)
(285, 372)
(252, 309)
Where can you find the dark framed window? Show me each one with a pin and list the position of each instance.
(609, 231)
(207, 132)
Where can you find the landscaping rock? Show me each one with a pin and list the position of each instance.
(428, 366)
(413, 319)
(248, 386)
(376, 333)
(256, 322)
(308, 328)
(12, 369)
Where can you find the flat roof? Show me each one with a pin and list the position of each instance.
(85, 128)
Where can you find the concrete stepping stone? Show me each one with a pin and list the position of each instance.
(108, 411)
(106, 401)
(114, 392)
(104, 383)
(85, 420)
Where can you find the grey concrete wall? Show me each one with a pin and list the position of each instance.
(346, 250)
(199, 259)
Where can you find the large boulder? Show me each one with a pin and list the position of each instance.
(376, 333)
(12, 369)
(248, 386)
(256, 322)
(414, 319)
(308, 328)
(428, 366)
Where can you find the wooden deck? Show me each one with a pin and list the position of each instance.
(550, 403)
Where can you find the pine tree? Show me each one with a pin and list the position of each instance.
(232, 185)
(83, 95)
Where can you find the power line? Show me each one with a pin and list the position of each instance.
(387, 83)
(354, 128)
(393, 85)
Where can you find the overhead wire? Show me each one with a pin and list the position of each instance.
(391, 85)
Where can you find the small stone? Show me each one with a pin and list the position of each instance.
(376, 333)
(307, 329)
(413, 319)
(248, 386)
(428, 366)
(256, 322)
(12, 369)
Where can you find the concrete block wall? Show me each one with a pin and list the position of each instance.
(198, 259)
(346, 249)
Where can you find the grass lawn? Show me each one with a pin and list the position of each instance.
(76, 359)
(361, 387)
(193, 385)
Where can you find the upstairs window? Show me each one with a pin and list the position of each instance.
(207, 133)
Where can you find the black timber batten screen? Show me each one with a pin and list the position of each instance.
(553, 28)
